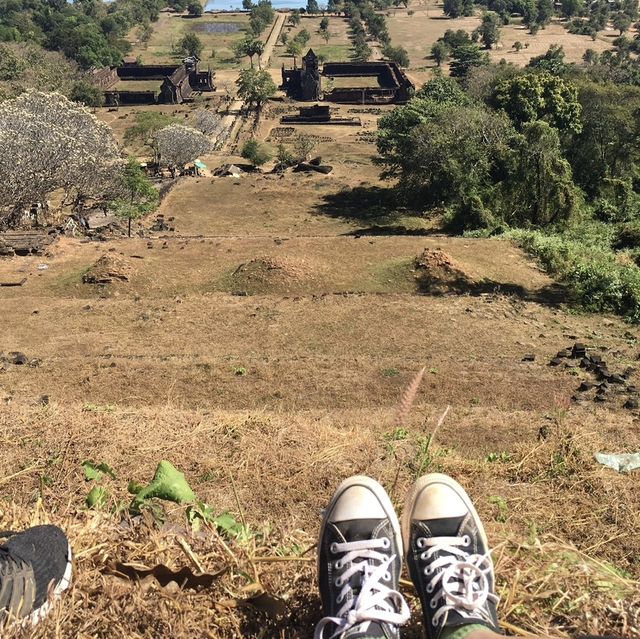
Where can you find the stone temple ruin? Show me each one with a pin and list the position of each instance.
(175, 83)
(380, 82)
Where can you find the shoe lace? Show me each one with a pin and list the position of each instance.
(374, 601)
(461, 578)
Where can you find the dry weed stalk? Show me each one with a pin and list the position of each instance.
(408, 397)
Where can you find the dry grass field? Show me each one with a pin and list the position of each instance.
(263, 347)
(417, 33)
(218, 33)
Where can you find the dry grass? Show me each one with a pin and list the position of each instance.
(564, 533)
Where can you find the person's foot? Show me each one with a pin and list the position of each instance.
(448, 557)
(359, 564)
(35, 569)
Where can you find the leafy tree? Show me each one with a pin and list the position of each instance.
(529, 11)
(398, 55)
(303, 37)
(312, 6)
(257, 24)
(284, 37)
(608, 146)
(47, 144)
(195, 9)
(440, 52)
(454, 39)
(144, 34)
(466, 58)
(517, 45)
(489, 29)
(137, 194)
(87, 93)
(591, 57)
(621, 21)
(540, 96)
(294, 48)
(178, 145)
(540, 189)
(458, 8)
(324, 24)
(552, 60)
(572, 8)
(545, 12)
(362, 52)
(256, 152)
(255, 87)
(294, 17)
(247, 5)
(147, 124)
(303, 145)
(190, 44)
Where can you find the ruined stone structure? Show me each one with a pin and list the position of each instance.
(176, 83)
(318, 114)
(306, 83)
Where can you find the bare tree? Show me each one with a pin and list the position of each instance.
(177, 145)
(206, 122)
(47, 144)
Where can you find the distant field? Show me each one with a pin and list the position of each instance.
(218, 33)
(337, 49)
(418, 32)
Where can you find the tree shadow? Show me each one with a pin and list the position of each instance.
(372, 204)
(554, 294)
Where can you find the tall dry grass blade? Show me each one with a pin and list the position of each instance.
(408, 397)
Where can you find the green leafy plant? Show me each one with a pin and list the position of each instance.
(503, 508)
(168, 483)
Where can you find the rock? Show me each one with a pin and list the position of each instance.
(596, 359)
(631, 404)
(616, 379)
(628, 372)
(43, 400)
(565, 353)
(632, 388)
(529, 357)
(578, 350)
(586, 386)
(556, 361)
(18, 358)
(599, 398)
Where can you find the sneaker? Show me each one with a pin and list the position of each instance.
(448, 556)
(359, 564)
(35, 568)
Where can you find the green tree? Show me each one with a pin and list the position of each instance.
(256, 152)
(440, 52)
(247, 5)
(621, 21)
(540, 189)
(87, 93)
(591, 57)
(294, 48)
(284, 37)
(545, 12)
(489, 29)
(294, 17)
(466, 58)
(572, 8)
(138, 195)
(398, 55)
(303, 37)
(324, 24)
(551, 61)
(195, 9)
(458, 8)
(540, 96)
(312, 6)
(255, 87)
(190, 44)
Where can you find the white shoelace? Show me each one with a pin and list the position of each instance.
(462, 578)
(375, 601)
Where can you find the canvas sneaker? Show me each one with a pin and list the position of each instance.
(359, 564)
(35, 569)
(448, 556)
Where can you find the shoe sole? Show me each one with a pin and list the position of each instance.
(40, 613)
(383, 498)
(420, 485)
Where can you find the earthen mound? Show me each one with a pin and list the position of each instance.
(439, 274)
(268, 274)
(109, 268)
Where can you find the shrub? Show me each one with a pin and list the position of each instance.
(256, 152)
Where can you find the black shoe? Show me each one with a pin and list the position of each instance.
(359, 564)
(448, 556)
(35, 568)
